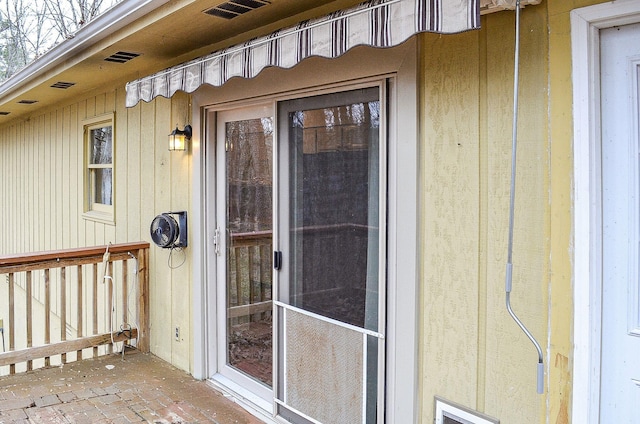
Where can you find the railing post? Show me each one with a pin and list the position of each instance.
(143, 300)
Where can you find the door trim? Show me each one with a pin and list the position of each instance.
(586, 24)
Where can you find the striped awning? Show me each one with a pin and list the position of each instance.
(376, 23)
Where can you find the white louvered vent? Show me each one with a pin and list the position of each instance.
(450, 413)
(490, 6)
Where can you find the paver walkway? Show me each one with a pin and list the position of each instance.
(140, 388)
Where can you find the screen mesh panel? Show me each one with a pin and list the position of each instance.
(324, 374)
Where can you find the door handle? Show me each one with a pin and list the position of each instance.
(277, 260)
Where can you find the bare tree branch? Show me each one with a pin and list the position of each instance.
(28, 29)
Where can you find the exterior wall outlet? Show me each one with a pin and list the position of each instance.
(177, 334)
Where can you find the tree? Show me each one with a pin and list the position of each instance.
(67, 16)
(28, 29)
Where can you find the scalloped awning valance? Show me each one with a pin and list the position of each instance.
(376, 23)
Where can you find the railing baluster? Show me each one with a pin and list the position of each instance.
(47, 314)
(250, 280)
(95, 307)
(125, 318)
(29, 295)
(263, 273)
(63, 310)
(110, 304)
(12, 340)
(238, 279)
(80, 310)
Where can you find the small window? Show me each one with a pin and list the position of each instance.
(450, 413)
(99, 190)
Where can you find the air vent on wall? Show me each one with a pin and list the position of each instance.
(233, 8)
(63, 85)
(450, 413)
(121, 57)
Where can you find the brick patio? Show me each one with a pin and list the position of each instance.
(140, 388)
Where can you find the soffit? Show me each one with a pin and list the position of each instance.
(175, 32)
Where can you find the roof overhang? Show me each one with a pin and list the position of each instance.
(156, 34)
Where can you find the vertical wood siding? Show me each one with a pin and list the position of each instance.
(472, 352)
(42, 184)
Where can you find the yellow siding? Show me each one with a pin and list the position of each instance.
(472, 351)
(42, 181)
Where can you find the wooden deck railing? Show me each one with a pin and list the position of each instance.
(250, 276)
(73, 301)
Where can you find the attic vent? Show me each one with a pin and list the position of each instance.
(450, 413)
(63, 85)
(233, 8)
(121, 57)
(27, 102)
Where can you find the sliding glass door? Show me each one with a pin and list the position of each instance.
(300, 243)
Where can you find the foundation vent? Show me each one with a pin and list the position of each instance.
(234, 8)
(450, 413)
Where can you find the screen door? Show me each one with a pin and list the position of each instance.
(330, 300)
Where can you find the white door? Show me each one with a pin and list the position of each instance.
(620, 88)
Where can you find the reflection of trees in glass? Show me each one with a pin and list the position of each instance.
(103, 188)
(336, 128)
(101, 140)
(249, 169)
(101, 145)
(355, 114)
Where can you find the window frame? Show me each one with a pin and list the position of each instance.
(93, 210)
